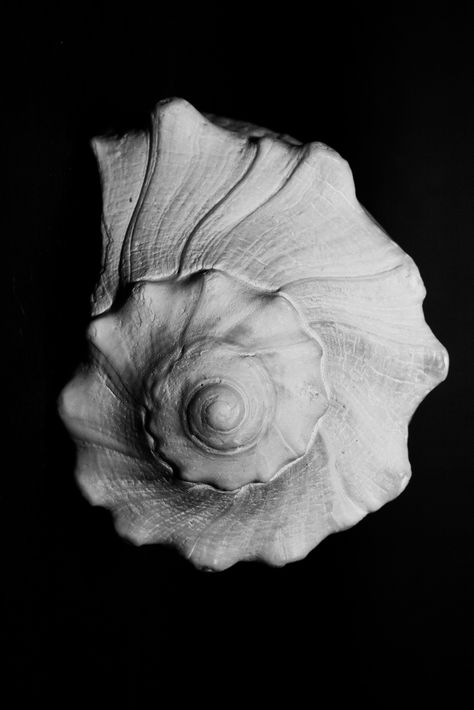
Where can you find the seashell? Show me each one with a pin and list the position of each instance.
(257, 346)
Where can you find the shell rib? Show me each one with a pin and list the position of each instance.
(247, 218)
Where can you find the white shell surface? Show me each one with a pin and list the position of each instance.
(204, 225)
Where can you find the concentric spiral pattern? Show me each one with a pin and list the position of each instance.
(218, 411)
(214, 413)
(220, 416)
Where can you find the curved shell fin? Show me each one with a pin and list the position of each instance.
(248, 194)
(122, 165)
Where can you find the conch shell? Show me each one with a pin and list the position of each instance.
(257, 345)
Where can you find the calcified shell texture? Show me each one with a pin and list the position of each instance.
(257, 346)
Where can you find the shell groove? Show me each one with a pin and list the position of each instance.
(252, 393)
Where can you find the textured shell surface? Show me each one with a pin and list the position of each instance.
(257, 344)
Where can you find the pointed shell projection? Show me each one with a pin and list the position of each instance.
(257, 345)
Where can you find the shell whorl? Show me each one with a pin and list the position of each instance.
(252, 393)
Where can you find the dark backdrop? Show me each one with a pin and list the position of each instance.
(373, 613)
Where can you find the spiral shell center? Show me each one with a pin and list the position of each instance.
(224, 416)
(238, 397)
(224, 412)
(216, 410)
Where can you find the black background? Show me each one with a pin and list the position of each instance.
(376, 613)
